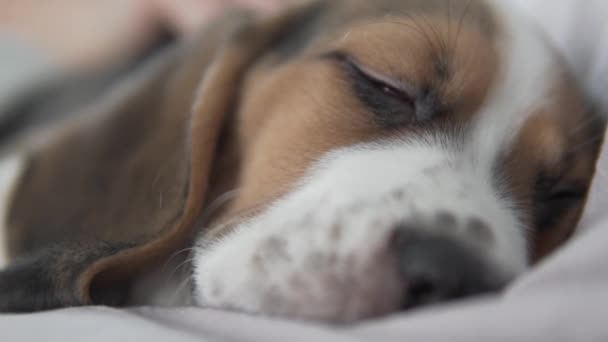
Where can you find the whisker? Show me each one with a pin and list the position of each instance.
(456, 41)
(186, 283)
(442, 47)
(224, 228)
(174, 255)
(465, 12)
(457, 82)
(419, 27)
(218, 203)
(449, 10)
(412, 26)
(415, 26)
(387, 19)
(178, 267)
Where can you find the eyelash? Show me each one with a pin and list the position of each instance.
(552, 187)
(392, 107)
(352, 66)
(552, 199)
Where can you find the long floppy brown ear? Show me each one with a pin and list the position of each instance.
(115, 195)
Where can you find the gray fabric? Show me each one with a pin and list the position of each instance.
(563, 299)
(21, 68)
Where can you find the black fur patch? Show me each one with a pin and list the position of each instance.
(49, 279)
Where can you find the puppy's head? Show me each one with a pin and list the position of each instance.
(393, 154)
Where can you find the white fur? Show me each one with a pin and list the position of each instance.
(528, 72)
(10, 170)
(285, 260)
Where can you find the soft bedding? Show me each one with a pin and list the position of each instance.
(563, 299)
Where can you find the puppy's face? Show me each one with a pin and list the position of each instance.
(393, 154)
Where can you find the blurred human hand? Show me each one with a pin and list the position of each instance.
(89, 33)
(186, 16)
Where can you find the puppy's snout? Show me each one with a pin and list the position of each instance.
(437, 267)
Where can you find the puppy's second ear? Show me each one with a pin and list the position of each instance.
(134, 176)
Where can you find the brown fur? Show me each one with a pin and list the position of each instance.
(118, 166)
(562, 142)
(292, 114)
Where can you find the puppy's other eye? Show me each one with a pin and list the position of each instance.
(570, 192)
(554, 197)
(392, 105)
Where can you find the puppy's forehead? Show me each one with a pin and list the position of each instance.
(445, 49)
(321, 19)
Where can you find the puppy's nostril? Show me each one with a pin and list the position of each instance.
(421, 289)
(424, 283)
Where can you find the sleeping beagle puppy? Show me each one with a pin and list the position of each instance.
(343, 160)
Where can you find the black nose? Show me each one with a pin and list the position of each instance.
(438, 268)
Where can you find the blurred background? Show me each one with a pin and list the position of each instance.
(89, 33)
(58, 56)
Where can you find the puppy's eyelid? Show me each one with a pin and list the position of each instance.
(389, 84)
(393, 102)
(557, 187)
(572, 190)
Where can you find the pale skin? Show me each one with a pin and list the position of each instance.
(89, 33)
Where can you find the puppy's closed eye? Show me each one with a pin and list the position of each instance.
(392, 103)
(554, 195)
